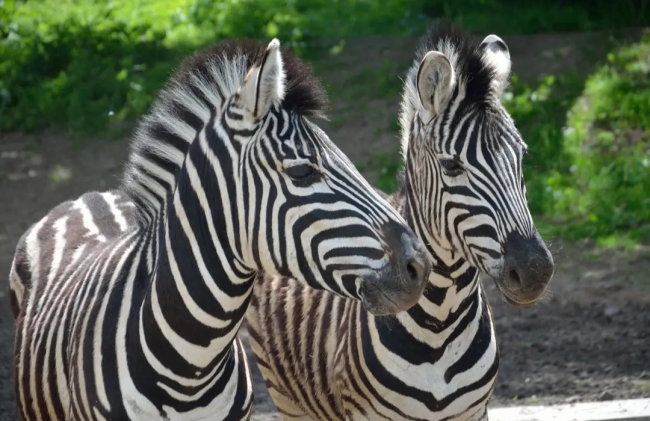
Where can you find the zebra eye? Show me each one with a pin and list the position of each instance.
(451, 167)
(300, 172)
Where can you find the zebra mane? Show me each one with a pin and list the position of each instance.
(199, 86)
(475, 72)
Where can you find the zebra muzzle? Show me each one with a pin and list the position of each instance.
(399, 285)
(527, 270)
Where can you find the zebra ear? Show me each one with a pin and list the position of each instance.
(497, 55)
(435, 81)
(264, 84)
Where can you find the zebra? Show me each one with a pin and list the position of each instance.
(463, 193)
(128, 301)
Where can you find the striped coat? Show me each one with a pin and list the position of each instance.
(128, 302)
(463, 193)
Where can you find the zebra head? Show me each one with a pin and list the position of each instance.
(307, 212)
(463, 158)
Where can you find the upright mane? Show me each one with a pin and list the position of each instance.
(475, 72)
(199, 87)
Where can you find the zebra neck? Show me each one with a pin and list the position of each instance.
(454, 283)
(200, 286)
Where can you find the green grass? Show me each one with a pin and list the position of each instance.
(87, 65)
(93, 66)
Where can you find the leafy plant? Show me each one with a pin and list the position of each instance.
(609, 144)
(590, 162)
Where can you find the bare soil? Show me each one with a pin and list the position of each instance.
(589, 339)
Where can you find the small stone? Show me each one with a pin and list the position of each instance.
(36, 160)
(572, 399)
(606, 396)
(611, 311)
(10, 154)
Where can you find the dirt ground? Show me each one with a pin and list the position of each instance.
(589, 339)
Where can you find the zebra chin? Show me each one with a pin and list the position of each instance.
(379, 302)
(525, 270)
(394, 289)
(399, 284)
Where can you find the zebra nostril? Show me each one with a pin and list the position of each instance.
(412, 271)
(514, 277)
(415, 271)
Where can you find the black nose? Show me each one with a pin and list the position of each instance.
(409, 255)
(528, 264)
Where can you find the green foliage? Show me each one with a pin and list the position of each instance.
(592, 176)
(81, 64)
(609, 144)
(84, 64)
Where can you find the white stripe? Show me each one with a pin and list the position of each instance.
(98, 328)
(115, 210)
(88, 221)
